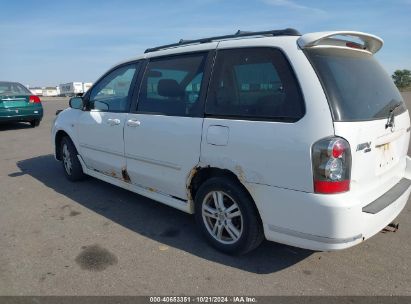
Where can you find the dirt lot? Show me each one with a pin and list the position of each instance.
(62, 238)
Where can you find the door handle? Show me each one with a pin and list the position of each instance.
(133, 123)
(113, 121)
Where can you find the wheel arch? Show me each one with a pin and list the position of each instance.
(255, 231)
(198, 175)
(60, 134)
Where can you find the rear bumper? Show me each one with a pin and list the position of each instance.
(328, 222)
(388, 197)
(21, 115)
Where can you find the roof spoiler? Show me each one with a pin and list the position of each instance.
(371, 43)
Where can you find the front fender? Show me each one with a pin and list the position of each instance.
(65, 122)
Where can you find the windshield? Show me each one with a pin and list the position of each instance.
(12, 88)
(356, 85)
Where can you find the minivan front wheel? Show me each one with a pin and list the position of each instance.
(227, 216)
(71, 165)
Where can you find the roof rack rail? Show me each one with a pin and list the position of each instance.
(284, 32)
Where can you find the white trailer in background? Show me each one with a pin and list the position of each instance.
(86, 86)
(37, 91)
(51, 91)
(74, 88)
(71, 88)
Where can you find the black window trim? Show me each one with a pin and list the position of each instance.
(281, 119)
(208, 65)
(254, 118)
(138, 65)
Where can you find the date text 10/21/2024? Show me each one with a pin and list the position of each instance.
(205, 299)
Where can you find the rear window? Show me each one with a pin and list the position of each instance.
(12, 88)
(356, 85)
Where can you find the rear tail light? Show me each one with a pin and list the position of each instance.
(34, 99)
(331, 158)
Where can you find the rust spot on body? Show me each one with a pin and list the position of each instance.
(240, 173)
(125, 176)
(191, 174)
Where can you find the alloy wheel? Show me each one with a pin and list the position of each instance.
(67, 159)
(222, 217)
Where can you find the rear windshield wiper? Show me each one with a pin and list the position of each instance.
(390, 120)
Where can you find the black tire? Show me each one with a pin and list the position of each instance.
(249, 223)
(35, 123)
(71, 165)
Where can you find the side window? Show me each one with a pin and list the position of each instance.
(254, 83)
(172, 86)
(111, 94)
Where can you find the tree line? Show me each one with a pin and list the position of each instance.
(402, 79)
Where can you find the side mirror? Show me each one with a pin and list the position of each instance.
(76, 103)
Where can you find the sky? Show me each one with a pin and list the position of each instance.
(45, 43)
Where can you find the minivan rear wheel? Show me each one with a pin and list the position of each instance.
(227, 216)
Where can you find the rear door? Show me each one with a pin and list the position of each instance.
(163, 133)
(253, 124)
(100, 127)
(369, 112)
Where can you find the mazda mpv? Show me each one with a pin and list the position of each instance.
(298, 139)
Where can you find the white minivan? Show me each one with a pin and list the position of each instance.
(298, 139)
